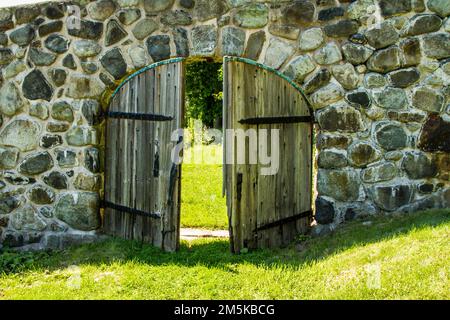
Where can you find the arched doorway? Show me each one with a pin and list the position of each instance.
(142, 183)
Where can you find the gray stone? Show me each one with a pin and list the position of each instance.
(382, 172)
(392, 197)
(57, 126)
(36, 163)
(311, 39)
(340, 118)
(17, 179)
(325, 141)
(318, 80)
(206, 10)
(20, 133)
(411, 52)
(325, 211)
(35, 86)
(144, 28)
(62, 110)
(233, 41)
(277, 53)
(329, 159)
(92, 112)
(385, 60)
(50, 140)
(128, 3)
(390, 136)
(390, 8)
(92, 159)
(284, 31)
(299, 68)
(299, 13)
(356, 53)
(427, 99)
(87, 182)
(255, 44)
(50, 27)
(360, 154)
(252, 16)
(114, 63)
(27, 219)
(391, 98)
(129, 16)
(13, 69)
(88, 30)
(418, 166)
(437, 45)
(86, 48)
(23, 36)
(58, 76)
(54, 10)
(423, 23)
(330, 13)
(69, 62)
(57, 43)
(404, 78)
(358, 38)
(41, 195)
(26, 14)
(81, 136)
(56, 180)
(343, 28)
(41, 58)
(435, 135)
(359, 210)
(358, 98)
(342, 185)
(441, 7)
(374, 80)
(159, 47)
(9, 201)
(382, 35)
(328, 54)
(84, 87)
(361, 9)
(204, 40)
(346, 75)
(102, 9)
(10, 100)
(39, 110)
(8, 157)
(180, 37)
(327, 95)
(66, 158)
(138, 56)
(188, 4)
(176, 18)
(80, 210)
(6, 56)
(114, 33)
(155, 6)
(418, 5)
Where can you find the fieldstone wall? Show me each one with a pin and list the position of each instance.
(375, 72)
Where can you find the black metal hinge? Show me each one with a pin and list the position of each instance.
(274, 120)
(138, 116)
(118, 207)
(280, 222)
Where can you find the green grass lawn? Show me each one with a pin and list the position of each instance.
(202, 204)
(410, 254)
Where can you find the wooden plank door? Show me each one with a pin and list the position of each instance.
(266, 211)
(142, 183)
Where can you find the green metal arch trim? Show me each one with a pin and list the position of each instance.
(276, 72)
(149, 67)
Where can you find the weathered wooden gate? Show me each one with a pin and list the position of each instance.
(142, 183)
(267, 210)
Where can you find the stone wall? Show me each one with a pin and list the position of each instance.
(375, 72)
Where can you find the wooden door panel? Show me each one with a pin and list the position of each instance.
(141, 181)
(267, 210)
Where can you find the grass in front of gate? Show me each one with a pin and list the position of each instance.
(202, 204)
(391, 258)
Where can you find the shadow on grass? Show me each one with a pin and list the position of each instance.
(216, 254)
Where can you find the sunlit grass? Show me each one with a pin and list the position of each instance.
(392, 258)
